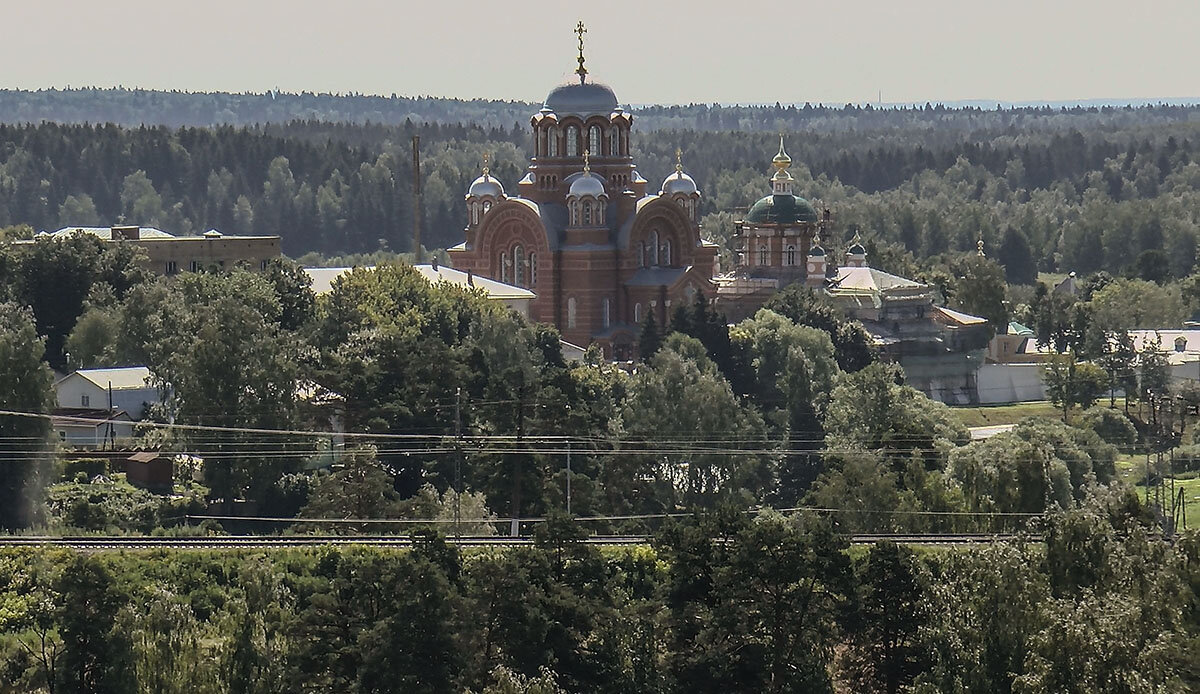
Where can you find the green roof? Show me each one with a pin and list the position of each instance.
(781, 209)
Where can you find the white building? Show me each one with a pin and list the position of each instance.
(130, 389)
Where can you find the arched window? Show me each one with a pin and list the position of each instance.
(637, 314)
(762, 254)
(487, 205)
(474, 213)
(505, 267)
(642, 254)
(571, 313)
(574, 209)
(552, 145)
(594, 140)
(791, 255)
(614, 142)
(605, 306)
(519, 266)
(572, 141)
(532, 269)
(587, 213)
(542, 137)
(1181, 344)
(652, 243)
(666, 253)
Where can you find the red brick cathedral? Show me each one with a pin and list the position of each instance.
(582, 232)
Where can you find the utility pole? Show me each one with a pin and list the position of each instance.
(515, 526)
(458, 454)
(416, 165)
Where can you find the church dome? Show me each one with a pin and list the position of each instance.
(679, 182)
(485, 185)
(587, 184)
(816, 251)
(585, 99)
(781, 209)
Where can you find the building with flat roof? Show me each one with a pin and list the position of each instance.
(167, 254)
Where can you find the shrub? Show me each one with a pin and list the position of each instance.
(1114, 426)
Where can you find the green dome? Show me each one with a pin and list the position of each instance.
(781, 209)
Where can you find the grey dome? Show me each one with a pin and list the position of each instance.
(587, 184)
(582, 99)
(485, 185)
(679, 182)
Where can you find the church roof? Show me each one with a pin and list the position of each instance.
(589, 98)
(657, 276)
(869, 279)
(781, 209)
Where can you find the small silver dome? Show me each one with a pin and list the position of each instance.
(679, 182)
(485, 185)
(587, 184)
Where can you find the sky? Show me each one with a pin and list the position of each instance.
(833, 52)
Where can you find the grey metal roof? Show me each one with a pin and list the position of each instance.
(589, 98)
(657, 276)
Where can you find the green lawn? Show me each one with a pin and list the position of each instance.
(992, 415)
(1129, 468)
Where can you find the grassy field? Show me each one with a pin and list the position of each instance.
(1130, 469)
(993, 415)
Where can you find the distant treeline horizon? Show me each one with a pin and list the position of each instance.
(182, 108)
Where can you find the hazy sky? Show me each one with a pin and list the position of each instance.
(649, 52)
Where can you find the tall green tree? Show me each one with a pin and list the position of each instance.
(25, 387)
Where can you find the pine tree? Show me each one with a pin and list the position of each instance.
(651, 339)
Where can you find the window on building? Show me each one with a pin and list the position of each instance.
(791, 255)
(572, 141)
(642, 254)
(196, 266)
(552, 145)
(172, 267)
(541, 148)
(519, 266)
(571, 313)
(1181, 344)
(587, 213)
(532, 269)
(637, 314)
(614, 142)
(666, 253)
(594, 140)
(85, 401)
(263, 265)
(762, 255)
(652, 245)
(605, 308)
(505, 266)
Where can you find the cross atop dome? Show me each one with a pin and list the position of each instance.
(581, 70)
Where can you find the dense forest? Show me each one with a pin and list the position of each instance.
(1077, 189)
(725, 603)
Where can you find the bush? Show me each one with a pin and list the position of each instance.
(1114, 426)
(89, 466)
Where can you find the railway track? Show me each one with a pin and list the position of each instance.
(97, 543)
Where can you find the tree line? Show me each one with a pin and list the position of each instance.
(722, 602)
(1084, 194)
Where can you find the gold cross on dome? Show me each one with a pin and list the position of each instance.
(485, 163)
(581, 71)
(678, 159)
(586, 167)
